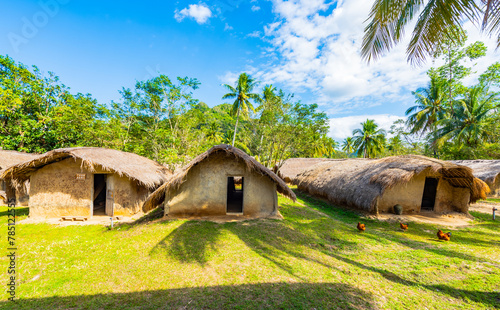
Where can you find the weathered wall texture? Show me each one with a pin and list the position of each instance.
(55, 192)
(495, 188)
(128, 196)
(19, 194)
(205, 190)
(409, 196)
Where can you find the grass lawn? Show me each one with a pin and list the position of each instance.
(493, 200)
(315, 258)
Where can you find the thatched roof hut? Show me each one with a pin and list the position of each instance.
(7, 159)
(10, 158)
(85, 181)
(222, 180)
(376, 185)
(292, 167)
(486, 170)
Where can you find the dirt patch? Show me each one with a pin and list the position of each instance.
(95, 220)
(453, 219)
(485, 207)
(224, 218)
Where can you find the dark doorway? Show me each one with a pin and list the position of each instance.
(234, 195)
(429, 196)
(99, 194)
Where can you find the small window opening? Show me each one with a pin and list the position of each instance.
(99, 194)
(235, 186)
(429, 195)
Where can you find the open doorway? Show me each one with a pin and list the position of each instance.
(235, 194)
(99, 194)
(429, 196)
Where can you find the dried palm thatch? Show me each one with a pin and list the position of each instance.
(10, 158)
(292, 167)
(358, 183)
(486, 170)
(156, 198)
(145, 171)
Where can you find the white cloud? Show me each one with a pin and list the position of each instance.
(317, 44)
(199, 12)
(254, 34)
(227, 27)
(228, 78)
(342, 127)
(255, 8)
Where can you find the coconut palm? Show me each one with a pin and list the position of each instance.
(347, 145)
(369, 140)
(471, 119)
(439, 20)
(242, 92)
(430, 107)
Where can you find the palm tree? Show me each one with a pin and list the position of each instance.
(472, 116)
(242, 92)
(369, 140)
(430, 107)
(347, 145)
(269, 103)
(438, 21)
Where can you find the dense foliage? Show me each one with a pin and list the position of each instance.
(159, 118)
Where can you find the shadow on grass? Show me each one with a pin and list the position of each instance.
(20, 211)
(250, 296)
(487, 298)
(190, 242)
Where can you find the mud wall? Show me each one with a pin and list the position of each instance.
(409, 196)
(204, 191)
(55, 191)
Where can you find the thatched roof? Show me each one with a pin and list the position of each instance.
(175, 182)
(10, 158)
(486, 170)
(359, 182)
(292, 167)
(145, 171)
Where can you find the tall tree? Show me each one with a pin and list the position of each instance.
(369, 140)
(472, 116)
(347, 145)
(430, 106)
(242, 93)
(439, 20)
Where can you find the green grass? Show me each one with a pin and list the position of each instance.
(314, 258)
(493, 200)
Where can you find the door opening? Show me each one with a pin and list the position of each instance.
(99, 194)
(235, 194)
(429, 196)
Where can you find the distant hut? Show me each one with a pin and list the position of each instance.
(7, 190)
(292, 167)
(486, 170)
(417, 183)
(87, 181)
(222, 181)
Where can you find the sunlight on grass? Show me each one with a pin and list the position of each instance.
(314, 258)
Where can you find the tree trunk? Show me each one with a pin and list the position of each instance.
(236, 126)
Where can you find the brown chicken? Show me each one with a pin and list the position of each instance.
(361, 227)
(442, 236)
(403, 226)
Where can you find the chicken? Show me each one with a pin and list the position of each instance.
(442, 236)
(403, 226)
(361, 227)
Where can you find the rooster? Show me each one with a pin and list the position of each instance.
(442, 236)
(403, 226)
(361, 227)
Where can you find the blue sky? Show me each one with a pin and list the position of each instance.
(308, 47)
